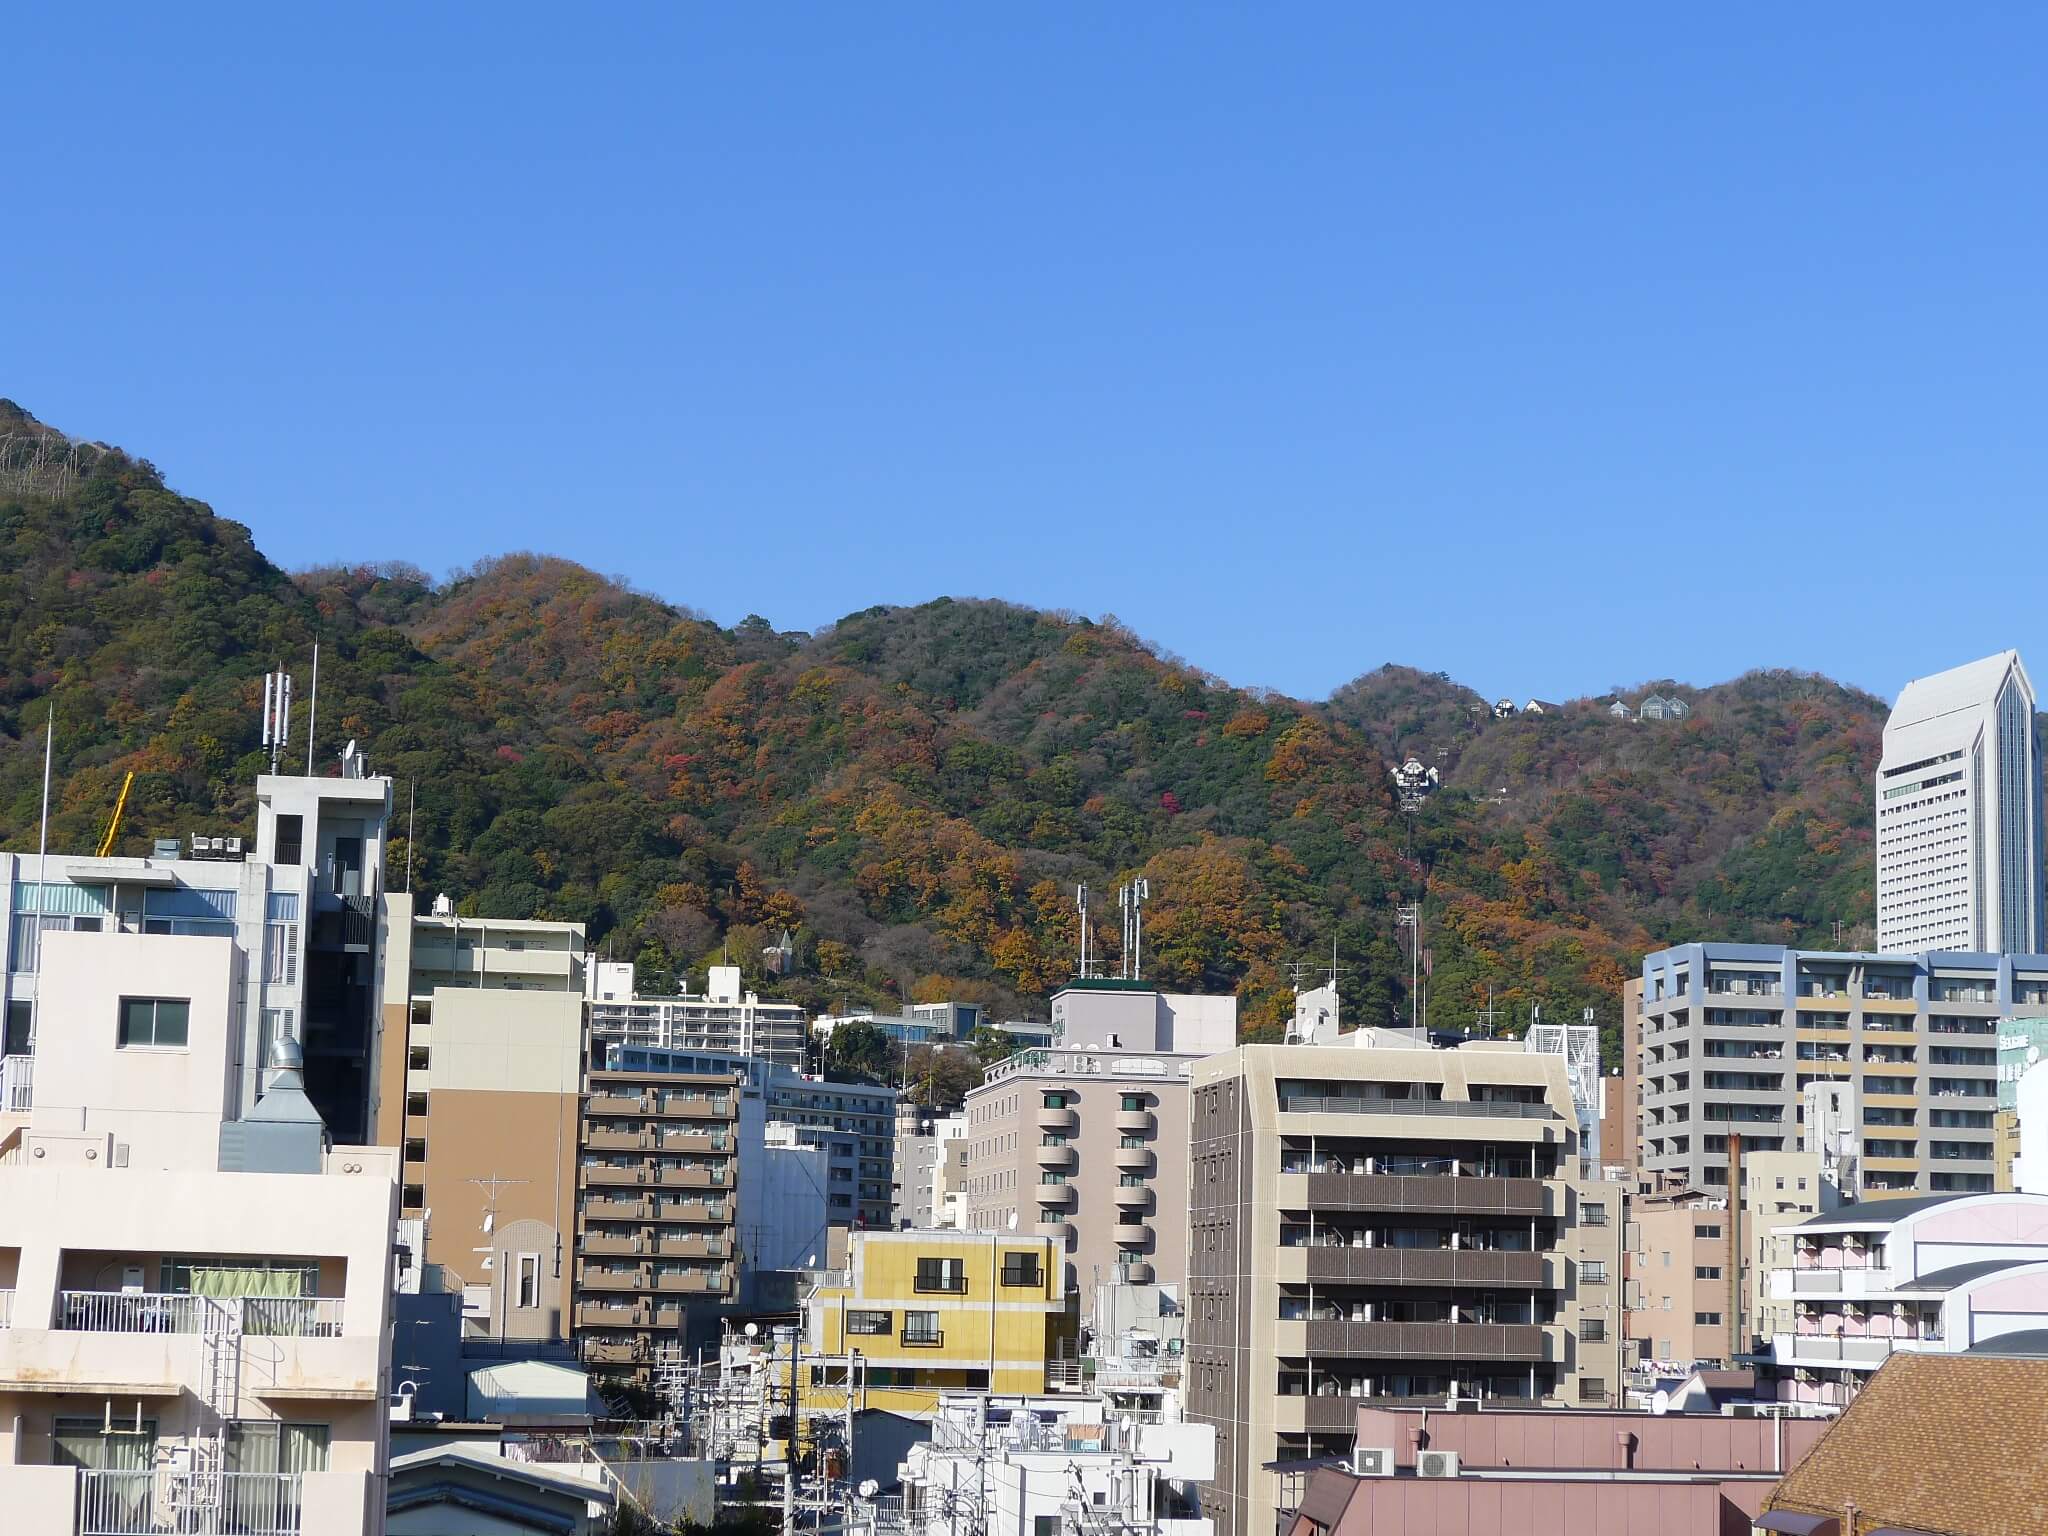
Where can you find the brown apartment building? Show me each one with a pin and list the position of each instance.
(1682, 1290)
(655, 1218)
(479, 1074)
(1379, 1225)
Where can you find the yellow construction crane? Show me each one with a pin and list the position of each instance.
(114, 827)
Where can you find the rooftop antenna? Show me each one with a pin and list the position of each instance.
(411, 799)
(312, 710)
(1131, 900)
(1489, 1016)
(42, 858)
(1081, 905)
(1410, 917)
(277, 716)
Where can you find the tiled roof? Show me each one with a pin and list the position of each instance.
(1935, 1443)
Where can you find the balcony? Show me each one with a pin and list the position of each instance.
(1057, 1194)
(16, 1073)
(293, 1317)
(610, 1243)
(618, 1210)
(616, 1351)
(1130, 1234)
(1433, 1193)
(1136, 1122)
(605, 1138)
(1059, 1122)
(1062, 1157)
(1058, 1231)
(161, 1499)
(693, 1283)
(1132, 1197)
(613, 1280)
(1427, 1341)
(1425, 1266)
(1834, 1349)
(927, 1339)
(1135, 1272)
(1134, 1159)
(1450, 1109)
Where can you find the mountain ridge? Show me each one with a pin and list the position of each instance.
(913, 790)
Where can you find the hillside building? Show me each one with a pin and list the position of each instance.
(1959, 837)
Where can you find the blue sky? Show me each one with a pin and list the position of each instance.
(1551, 347)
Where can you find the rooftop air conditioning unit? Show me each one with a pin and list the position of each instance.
(1437, 1464)
(1372, 1461)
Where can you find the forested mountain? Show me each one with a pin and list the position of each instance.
(913, 792)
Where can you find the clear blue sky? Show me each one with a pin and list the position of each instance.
(1554, 347)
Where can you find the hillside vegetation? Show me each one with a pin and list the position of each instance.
(913, 792)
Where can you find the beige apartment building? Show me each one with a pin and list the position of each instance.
(480, 1076)
(1085, 1141)
(195, 1292)
(655, 1210)
(1380, 1224)
(1682, 1292)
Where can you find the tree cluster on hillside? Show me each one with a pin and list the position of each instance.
(912, 793)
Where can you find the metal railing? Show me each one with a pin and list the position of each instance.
(1311, 1104)
(16, 1077)
(154, 1501)
(296, 1317)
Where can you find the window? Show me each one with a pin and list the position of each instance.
(922, 1328)
(1130, 1141)
(1131, 1180)
(90, 1444)
(1592, 1329)
(414, 1196)
(281, 938)
(1048, 1176)
(1593, 1271)
(1056, 1101)
(417, 1057)
(1020, 1269)
(1707, 1229)
(1052, 1139)
(947, 1275)
(1667, 1258)
(1707, 1319)
(277, 1448)
(868, 1323)
(415, 1149)
(1045, 1525)
(415, 1103)
(1593, 1213)
(20, 1014)
(155, 1023)
(291, 839)
(1592, 1389)
(1706, 1271)
(1133, 1101)
(529, 1277)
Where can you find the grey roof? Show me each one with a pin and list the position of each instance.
(481, 1460)
(2028, 1343)
(1962, 1274)
(1880, 1213)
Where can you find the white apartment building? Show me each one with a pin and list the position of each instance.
(1941, 1274)
(195, 1286)
(726, 1018)
(299, 905)
(1959, 854)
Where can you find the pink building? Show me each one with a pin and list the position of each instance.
(1549, 1471)
(1935, 1274)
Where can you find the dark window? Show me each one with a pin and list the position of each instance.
(1055, 1101)
(154, 1021)
(416, 1058)
(922, 1328)
(291, 839)
(19, 1012)
(416, 1149)
(415, 1103)
(414, 1197)
(1592, 1329)
(1020, 1269)
(947, 1275)
(1134, 1101)
(868, 1322)
(1593, 1214)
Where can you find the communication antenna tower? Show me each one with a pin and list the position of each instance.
(1081, 905)
(277, 714)
(1131, 900)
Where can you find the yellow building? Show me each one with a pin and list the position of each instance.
(927, 1312)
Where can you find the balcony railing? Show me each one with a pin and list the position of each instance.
(16, 1073)
(1311, 1104)
(152, 1501)
(930, 1340)
(295, 1317)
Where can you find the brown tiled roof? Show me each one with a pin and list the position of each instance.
(1948, 1443)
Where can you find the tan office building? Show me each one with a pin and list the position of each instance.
(480, 1074)
(1682, 1293)
(1375, 1225)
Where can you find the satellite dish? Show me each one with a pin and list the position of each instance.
(869, 1487)
(1013, 1221)
(753, 1330)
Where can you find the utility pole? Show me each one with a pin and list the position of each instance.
(1410, 917)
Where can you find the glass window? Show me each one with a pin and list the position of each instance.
(921, 1328)
(88, 1443)
(1020, 1269)
(529, 1268)
(277, 1448)
(154, 1022)
(291, 839)
(1593, 1213)
(948, 1275)
(869, 1322)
